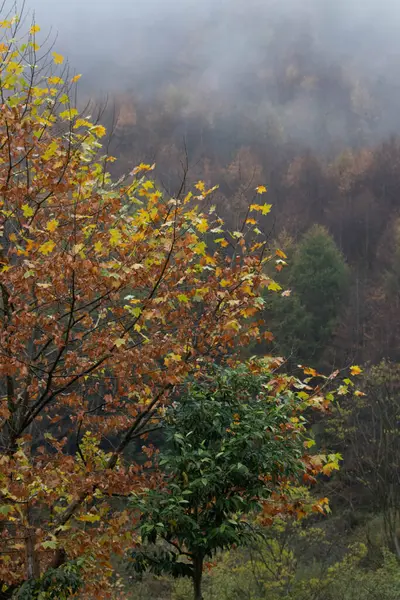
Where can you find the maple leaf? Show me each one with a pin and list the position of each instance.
(200, 248)
(27, 210)
(76, 78)
(34, 29)
(261, 189)
(202, 226)
(50, 150)
(47, 247)
(52, 225)
(274, 286)
(200, 185)
(53, 80)
(69, 114)
(183, 298)
(58, 58)
(355, 370)
(98, 130)
(266, 208)
(115, 237)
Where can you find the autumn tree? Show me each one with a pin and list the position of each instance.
(235, 445)
(110, 298)
(365, 428)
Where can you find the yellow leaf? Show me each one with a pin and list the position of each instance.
(52, 225)
(224, 283)
(99, 130)
(172, 357)
(148, 185)
(200, 248)
(183, 298)
(27, 210)
(3, 47)
(77, 248)
(251, 221)
(76, 78)
(261, 189)
(274, 287)
(82, 123)
(355, 370)
(58, 58)
(224, 243)
(309, 443)
(50, 150)
(90, 518)
(310, 371)
(329, 467)
(202, 226)
(55, 80)
(34, 29)
(14, 67)
(98, 247)
(120, 342)
(280, 254)
(69, 114)
(187, 198)
(13, 237)
(266, 208)
(115, 237)
(200, 185)
(5, 24)
(210, 260)
(47, 247)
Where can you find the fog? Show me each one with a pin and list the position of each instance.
(214, 50)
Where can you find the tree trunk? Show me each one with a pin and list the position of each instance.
(31, 557)
(197, 576)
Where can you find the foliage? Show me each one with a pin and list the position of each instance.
(318, 280)
(54, 584)
(366, 430)
(292, 560)
(112, 293)
(236, 444)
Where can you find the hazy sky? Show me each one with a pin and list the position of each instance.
(130, 31)
(136, 44)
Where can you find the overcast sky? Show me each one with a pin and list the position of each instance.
(135, 44)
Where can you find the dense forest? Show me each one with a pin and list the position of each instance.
(199, 313)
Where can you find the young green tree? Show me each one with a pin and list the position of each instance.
(318, 279)
(319, 276)
(235, 444)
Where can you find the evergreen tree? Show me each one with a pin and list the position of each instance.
(318, 277)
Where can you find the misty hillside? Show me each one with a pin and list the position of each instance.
(319, 72)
